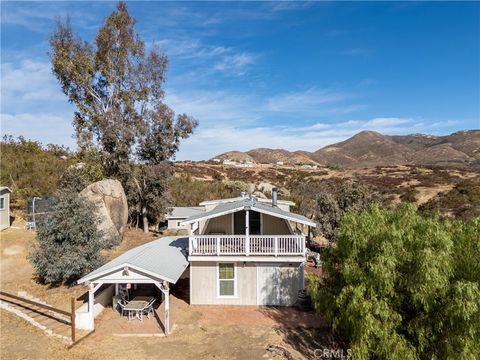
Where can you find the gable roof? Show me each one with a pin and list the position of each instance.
(165, 258)
(240, 198)
(249, 204)
(183, 212)
(2, 188)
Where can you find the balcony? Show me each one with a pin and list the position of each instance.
(252, 245)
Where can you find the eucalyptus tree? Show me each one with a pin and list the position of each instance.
(116, 86)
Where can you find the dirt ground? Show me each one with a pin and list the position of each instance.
(198, 332)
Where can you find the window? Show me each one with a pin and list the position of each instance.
(179, 224)
(2, 203)
(226, 279)
(254, 223)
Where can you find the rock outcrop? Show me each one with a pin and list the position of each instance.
(110, 201)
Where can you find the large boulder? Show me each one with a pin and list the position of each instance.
(110, 201)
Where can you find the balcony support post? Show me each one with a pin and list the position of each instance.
(247, 232)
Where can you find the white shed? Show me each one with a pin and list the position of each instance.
(4, 207)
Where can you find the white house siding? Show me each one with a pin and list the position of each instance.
(256, 284)
(174, 224)
(274, 226)
(220, 225)
(203, 284)
(5, 212)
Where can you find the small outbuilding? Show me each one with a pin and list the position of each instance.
(4, 207)
(158, 263)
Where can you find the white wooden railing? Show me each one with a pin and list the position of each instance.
(268, 245)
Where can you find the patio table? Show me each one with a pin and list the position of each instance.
(136, 306)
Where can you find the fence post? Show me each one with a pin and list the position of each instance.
(72, 318)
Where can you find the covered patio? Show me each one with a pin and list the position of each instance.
(157, 265)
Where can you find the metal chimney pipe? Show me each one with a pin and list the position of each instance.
(274, 196)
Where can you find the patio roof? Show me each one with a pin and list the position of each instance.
(249, 204)
(165, 259)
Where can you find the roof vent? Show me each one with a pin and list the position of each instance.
(274, 196)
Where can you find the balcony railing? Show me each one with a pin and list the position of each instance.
(266, 245)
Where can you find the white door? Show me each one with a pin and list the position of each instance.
(267, 285)
(277, 285)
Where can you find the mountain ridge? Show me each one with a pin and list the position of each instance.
(369, 149)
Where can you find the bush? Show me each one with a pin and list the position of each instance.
(68, 241)
(400, 286)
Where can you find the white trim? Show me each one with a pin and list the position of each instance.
(211, 216)
(96, 277)
(222, 201)
(254, 208)
(251, 258)
(235, 293)
(261, 224)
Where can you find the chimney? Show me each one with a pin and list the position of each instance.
(274, 196)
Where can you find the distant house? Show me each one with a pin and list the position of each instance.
(229, 162)
(216, 160)
(178, 214)
(4, 207)
(279, 163)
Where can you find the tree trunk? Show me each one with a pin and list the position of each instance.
(145, 219)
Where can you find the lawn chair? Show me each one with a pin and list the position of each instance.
(149, 308)
(122, 303)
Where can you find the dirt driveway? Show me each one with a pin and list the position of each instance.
(199, 332)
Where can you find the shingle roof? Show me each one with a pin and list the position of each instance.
(184, 212)
(166, 258)
(251, 204)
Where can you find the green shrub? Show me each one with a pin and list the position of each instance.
(400, 286)
(68, 241)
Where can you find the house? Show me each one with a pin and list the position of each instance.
(240, 251)
(229, 162)
(279, 163)
(4, 207)
(178, 214)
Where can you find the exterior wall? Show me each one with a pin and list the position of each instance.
(173, 224)
(274, 226)
(5, 213)
(286, 281)
(219, 225)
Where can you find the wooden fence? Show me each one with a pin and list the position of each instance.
(70, 314)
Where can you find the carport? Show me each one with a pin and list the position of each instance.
(160, 262)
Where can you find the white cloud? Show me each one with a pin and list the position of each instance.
(312, 101)
(29, 84)
(46, 128)
(214, 107)
(236, 64)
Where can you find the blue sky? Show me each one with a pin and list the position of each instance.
(293, 75)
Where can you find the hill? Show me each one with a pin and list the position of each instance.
(370, 149)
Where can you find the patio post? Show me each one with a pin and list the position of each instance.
(91, 294)
(167, 308)
(247, 232)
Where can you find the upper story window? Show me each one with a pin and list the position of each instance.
(2, 203)
(255, 227)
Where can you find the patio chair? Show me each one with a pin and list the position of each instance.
(122, 303)
(149, 308)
